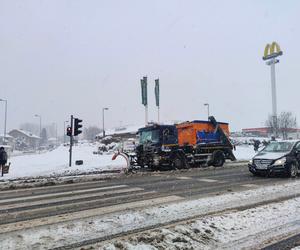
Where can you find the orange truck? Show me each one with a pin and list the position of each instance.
(189, 144)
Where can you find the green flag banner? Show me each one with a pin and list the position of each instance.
(156, 90)
(144, 91)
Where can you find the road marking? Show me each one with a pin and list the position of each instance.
(250, 185)
(208, 180)
(68, 198)
(33, 189)
(60, 193)
(184, 178)
(87, 213)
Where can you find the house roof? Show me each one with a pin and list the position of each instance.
(26, 133)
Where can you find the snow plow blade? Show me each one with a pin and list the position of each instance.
(125, 156)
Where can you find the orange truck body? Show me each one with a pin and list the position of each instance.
(187, 131)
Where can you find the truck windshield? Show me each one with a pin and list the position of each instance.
(149, 136)
(278, 147)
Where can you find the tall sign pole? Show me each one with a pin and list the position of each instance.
(156, 91)
(145, 97)
(71, 142)
(270, 56)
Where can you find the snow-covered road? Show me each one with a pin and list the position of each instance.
(55, 163)
(75, 215)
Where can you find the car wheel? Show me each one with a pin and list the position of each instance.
(293, 171)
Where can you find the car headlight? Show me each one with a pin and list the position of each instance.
(280, 161)
(251, 161)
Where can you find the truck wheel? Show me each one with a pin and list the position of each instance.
(179, 162)
(218, 158)
(293, 171)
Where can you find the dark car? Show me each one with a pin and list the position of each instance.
(278, 157)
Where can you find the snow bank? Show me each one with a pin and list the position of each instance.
(246, 229)
(56, 162)
(103, 225)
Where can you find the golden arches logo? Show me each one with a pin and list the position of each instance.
(272, 51)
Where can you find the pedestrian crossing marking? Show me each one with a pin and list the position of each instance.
(208, 180)
(61, 193)
(184, 178)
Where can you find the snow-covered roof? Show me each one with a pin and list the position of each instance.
(132, 129)
(6, 136)
(26, 133)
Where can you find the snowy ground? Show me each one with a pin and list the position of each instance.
(230, 229)
(248, 229)
(55, 163)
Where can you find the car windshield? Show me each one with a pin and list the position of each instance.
(278, 147)
(149, 136)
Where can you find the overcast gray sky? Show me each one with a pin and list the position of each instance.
(64, 57)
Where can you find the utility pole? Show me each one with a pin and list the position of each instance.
(207, 105)
(5, 120)
(103, 128)
(71, 142)
(156, 92)
(39, 116)
(270, 56)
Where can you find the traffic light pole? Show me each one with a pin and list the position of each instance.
(71, 142)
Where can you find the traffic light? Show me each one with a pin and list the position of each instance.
(69, 131)
(77, 126)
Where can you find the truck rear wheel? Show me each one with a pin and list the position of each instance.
(218, 158)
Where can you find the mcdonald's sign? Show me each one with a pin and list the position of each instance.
(272, 51)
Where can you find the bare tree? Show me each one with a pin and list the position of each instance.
(91, 132)
(272, 125)
(285, 121)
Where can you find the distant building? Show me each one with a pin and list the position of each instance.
(24, 140)
(267, 132)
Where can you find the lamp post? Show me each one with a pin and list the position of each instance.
(5, 119)
(103, 109)
(55, 127)
(207, 104)
(65, 131)
(40, 125)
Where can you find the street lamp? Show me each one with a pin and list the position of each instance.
(65, 131)
(103, 109)
(5, 119)
(207, 104)
(40, 124)
(55, 128)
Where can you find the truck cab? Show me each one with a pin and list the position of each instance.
(155, 144)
